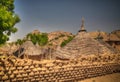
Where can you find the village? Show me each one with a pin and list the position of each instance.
(51, 41)
(84, 56)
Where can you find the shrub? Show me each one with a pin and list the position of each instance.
(41, 39)
(66, 41)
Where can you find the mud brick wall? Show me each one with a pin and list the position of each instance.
(17, 70)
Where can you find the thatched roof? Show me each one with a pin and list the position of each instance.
(29, 48)
(36, 32)
(113, 37)
(95, 34)
(8, 48)
(83, 44)
(106, 36)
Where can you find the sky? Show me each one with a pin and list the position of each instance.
(65, 15)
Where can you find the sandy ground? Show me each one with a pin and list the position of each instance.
(107, 78)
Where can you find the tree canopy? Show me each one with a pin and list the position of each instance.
(41, 39)
(8, 19)
(19, 41)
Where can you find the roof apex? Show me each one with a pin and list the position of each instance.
(82, 28)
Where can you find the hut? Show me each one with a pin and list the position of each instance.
(29, 50)
(83, 44)
(113, 40)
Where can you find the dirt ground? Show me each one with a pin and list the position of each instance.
(107, 78)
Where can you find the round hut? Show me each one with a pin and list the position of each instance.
(83, 44)
(29, 50)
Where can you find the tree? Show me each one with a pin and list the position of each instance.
(41, 39)
(8, 19)
(19, 41)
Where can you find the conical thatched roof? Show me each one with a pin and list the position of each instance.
(95, 34)
(29, 48)
(116, 32)
(113, 37)
(83, 44)
(8, 48)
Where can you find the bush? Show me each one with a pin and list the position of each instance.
(19, 41)
(41, 39)
(66, 41)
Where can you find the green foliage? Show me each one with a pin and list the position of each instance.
(19, 41)
(8, 4)
(66, 41)
(7, 20)
(41, 39)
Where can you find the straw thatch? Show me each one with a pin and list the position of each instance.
(83, 44)
(28, 48)
(113, 37)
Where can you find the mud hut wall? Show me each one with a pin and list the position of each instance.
(32, 71)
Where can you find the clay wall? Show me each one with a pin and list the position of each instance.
(17, 70)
